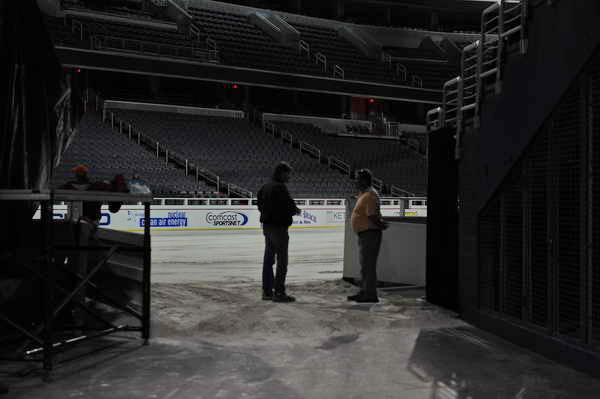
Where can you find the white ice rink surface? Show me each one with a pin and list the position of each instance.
(236, 255)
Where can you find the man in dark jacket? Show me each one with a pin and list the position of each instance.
(276, 208)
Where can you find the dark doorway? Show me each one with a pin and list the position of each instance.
(442, 220)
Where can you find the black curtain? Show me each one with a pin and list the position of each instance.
(442, 220)
(36, 116)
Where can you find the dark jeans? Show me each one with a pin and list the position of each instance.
(369, 243)
(276, 244)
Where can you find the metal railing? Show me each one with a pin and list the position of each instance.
(340, 165)
(185, 4)
(433, 119)
(401, 72)
(452, 101)
(207, 176)
(287, 137)
(170, 156)
(77, 26)
(304, 48)
(514, 17)
(393, 129)
(160, 3)
(269, 128)
(321, 59)
(470, 81)
(338, 72)
(311, 149)
(481, 66)
(490, 45)
(386, 59)
(101, 42)
(194, 32)
(212, 50)
(396, 191)
(240, 191)
(377, 183)
(416, 81)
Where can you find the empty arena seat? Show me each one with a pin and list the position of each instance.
(243, 44)
(108, 153)
(392, 161)
(237, 151)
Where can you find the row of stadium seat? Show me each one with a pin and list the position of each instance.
(392, 161)
(338, 51)
(108, 153)
(241, 43)
(238, 152)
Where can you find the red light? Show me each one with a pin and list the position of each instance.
(234, 86)
(78, 70)
(371, 100)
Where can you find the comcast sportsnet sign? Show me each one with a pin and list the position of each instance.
(226, 219)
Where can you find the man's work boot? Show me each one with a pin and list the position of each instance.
(267, 296)
(283, 297)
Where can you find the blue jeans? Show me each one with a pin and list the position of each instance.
(276, 245)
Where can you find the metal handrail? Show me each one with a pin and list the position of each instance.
(401, 72)
(77, 24)
(433, 119)
(338, 72)
(320, 58)
(304, 47)
(193, 31)
(242, 192)
(287, 136)
(398, 192)
(514, 18)
(311, 149)
(416, 81)
(270, 128)
(490, 47)
(212, 50)
(387, 59)
(470, 68)
(481, 65)
(169, 155)
(377, 183)
(100, 42)
(340, 165)
(451, 103)
(392, 129)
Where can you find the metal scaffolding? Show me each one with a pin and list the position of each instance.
(42, 341)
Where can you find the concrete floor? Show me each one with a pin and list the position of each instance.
(214, 338)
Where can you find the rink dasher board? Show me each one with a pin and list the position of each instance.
(218, 217)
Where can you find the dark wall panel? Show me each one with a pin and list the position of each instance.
(595, 201)
(538, 234)
(566, 169)
(562, 38)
